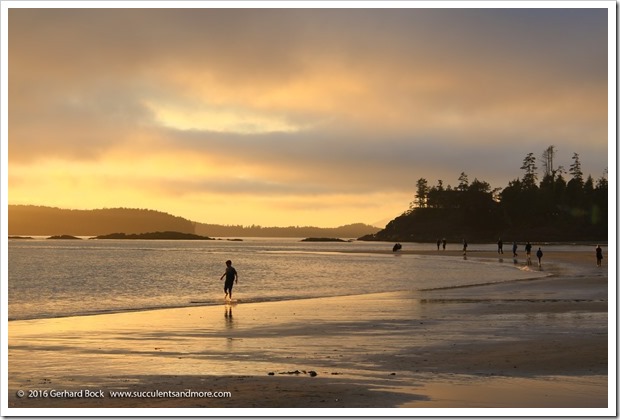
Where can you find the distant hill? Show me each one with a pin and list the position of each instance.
(40, 220)
(51, 221)
(348, 231)
(155, 236)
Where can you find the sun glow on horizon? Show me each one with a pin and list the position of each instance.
(190, 186)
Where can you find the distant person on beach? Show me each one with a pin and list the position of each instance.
(539, 254)
(443, 243)
(528, 252)
(231, 277)
(397, 247)
(500, 246)
(599, 255)
(438, 243)
(464, 247)
(514, 249)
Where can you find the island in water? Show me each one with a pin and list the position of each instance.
(323, 240)
(156, 235)
(65, 237)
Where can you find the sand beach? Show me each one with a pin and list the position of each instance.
(539, 344)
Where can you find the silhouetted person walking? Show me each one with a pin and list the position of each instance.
(599, 255)
(231, 277)
(528, 253)
(539, 255)
(500, 246)
(514, 249)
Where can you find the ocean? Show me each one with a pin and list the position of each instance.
(57, 278)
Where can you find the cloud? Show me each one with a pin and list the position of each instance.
(292, 104)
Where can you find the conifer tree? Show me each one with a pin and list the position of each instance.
(575, 169)
(529, 166)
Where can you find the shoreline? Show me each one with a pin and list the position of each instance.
(428, 349)
(481, 255)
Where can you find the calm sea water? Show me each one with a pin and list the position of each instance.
(52, 278)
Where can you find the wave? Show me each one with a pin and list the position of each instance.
(537, 276)
(190, 304)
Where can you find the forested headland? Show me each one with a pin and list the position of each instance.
(42, 220)
(354, 230)
(553, 205)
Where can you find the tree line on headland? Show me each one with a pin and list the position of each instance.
(562, 206)
(42, 220)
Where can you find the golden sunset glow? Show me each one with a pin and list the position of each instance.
(218, 120)
(287, 117)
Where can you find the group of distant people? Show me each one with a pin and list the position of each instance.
(528, 251)
(500, 250)
(539, 253)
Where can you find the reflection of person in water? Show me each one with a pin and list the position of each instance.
(228, 315)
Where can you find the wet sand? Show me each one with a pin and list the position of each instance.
(520, 344)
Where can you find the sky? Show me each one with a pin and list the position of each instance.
(295, 117)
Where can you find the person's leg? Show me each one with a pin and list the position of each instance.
(229, 286)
